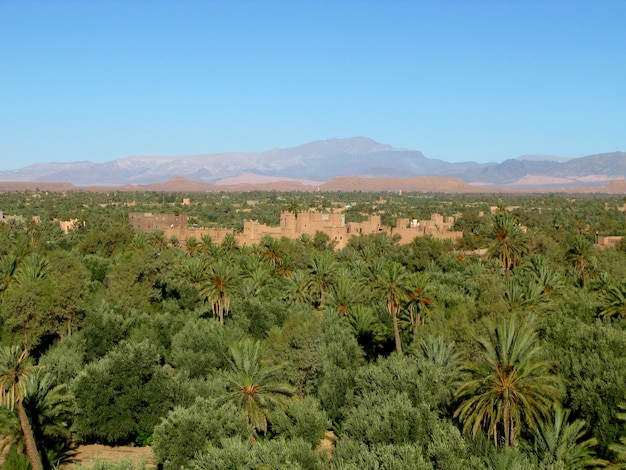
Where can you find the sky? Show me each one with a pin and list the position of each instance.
(458, 80)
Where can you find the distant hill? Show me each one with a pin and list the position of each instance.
(543, 158)
(576, 172)
(318, 163)
(344, 183)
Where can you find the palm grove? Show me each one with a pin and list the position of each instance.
(290, 354)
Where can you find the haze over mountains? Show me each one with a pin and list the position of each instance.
(320, 162)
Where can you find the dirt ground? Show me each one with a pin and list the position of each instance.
(88, 454)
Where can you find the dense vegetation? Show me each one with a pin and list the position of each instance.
(289, 354)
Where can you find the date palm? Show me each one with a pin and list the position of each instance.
(322, 271)
(8, 267)
(613, 302)
(207, 246)
(253, 385)
(32, 269)
(192, 246)
(544, 276)
(558, 443)
(346, 293)
(229, 243)
(419, 301)
(194, 269)
(578, 255)
(270, 251)
(221, 282)
(619, 448)
(507, 385)
(393, 287)
(507, 241)
(15, 370)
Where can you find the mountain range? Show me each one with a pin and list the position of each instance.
(327, 161)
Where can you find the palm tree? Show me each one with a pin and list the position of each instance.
(207, 246)
(507, 385)
(620, 447)
(557, 443)
(270, 251)
(194, 269)
(49, 407)
(522, 292)
(230, 243)
(8, 267)
(139, 242)
(257, 274)
(419, 301)
(578, 255)
(219, 286)
(253, 385)
(507, 241)
(346, 293)
(543, 275)
(15, 369)
(393, 288)
(322, 272)
(157, 239)
(192, 245)
(299, 288)
(33, 268)
(366, 327)
(613, 302)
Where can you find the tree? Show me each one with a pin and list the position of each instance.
(557, 443)
(419, 301)
(613, 302)
(49, 407)
(192, 246)
(219, 286)
(27, 312)
(302, 419)
(8, 266)
(194, 270)
(393, 288)
(229, 243)
(619, 448)
(120, 398)
(346, 293)
(507, 385)
(199, 347)
(15, 369)
(270, 251)
(187, 431)
(253, 384)
(299, 288)
(32, 269)
(578, 255)
(507, 241)
(68, 276)
(322, 272)
(543, 275)
(296, 345)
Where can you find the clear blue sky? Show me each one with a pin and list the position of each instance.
(481, 80)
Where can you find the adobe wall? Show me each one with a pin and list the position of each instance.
(148, 221)
(608, 242)
(294, 226)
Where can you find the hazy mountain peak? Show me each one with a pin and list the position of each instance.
(543, 158)
(337, 146)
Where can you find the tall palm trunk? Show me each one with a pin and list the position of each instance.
(29, 438)
(396, 330)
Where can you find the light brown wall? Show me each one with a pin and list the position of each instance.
(292, 226)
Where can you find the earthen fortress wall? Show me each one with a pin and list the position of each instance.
(293, 226)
